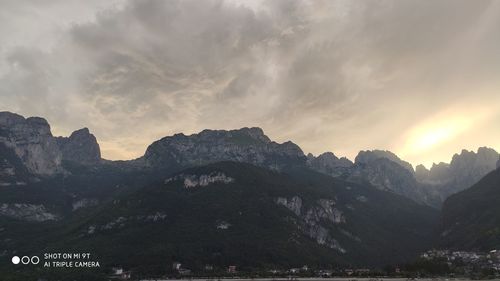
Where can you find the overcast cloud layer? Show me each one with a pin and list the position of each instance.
(420, 78)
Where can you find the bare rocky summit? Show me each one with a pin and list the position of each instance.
(328, 163)
(28, 150)
(80, 147)
(248, 145)
(464, 170)
(32, 143)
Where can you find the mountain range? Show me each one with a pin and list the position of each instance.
(227, 197)
(464, 170)
(39, 154)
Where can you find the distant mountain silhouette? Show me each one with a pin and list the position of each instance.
(464, 170)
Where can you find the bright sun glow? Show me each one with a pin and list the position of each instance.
(435, 131)
(433, 137)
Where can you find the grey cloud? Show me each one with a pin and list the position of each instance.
(330, 75)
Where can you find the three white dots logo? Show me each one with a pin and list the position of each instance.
(25, 260)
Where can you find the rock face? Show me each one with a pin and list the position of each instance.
(469, 167)
(369, 156)
(293, 204)
(385, 171)
(421, 172)
(26, 212)
(385, 174)
(465, 169)
(84, 203)
(382, 173)
(12, 170)
(28, 150)
(81, 147)
(31, 142)
(382, 169)
(329, 164)
(248, 145)
(191, 181)
(312, 217)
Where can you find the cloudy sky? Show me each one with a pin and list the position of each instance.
(420, 78)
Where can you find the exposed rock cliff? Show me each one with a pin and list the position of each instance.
(201, 180)
(32, 142)
(382, 169)
(329, 164)
(28, 151)
(368, 156)
(26, 212)
(386, 171)
(311, 219)
(464, 170)
(248, 145)
(81, 147)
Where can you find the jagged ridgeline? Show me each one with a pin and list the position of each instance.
(217, 197)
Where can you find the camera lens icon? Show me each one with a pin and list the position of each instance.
(16, 260)
(26, 260)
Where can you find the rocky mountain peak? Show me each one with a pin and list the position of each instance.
(484, 157)
(464, 170)
(29, 150)
(368, 156)
(487, 156)
(81, 147)
(40, 125)
(421, 172)
(439, 173)
(386, 171)
(486, 150)
(249, 145)
(17, 124)
(244, 135)
(82, 133)
(255, 133)
(471, 163)
(31, 142)
(382, 169)
(328, 156)
(8, 119)
(329, 164)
